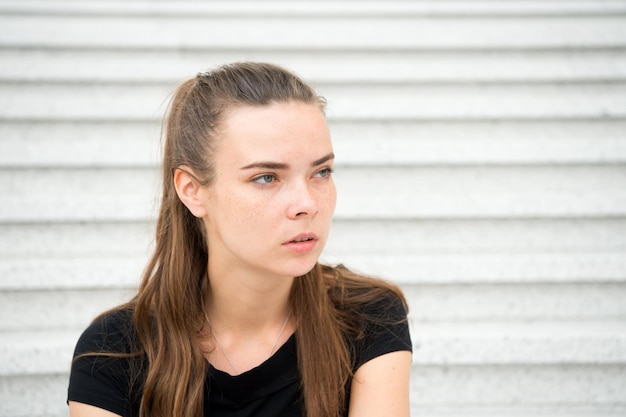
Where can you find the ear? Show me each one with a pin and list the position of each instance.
(189, 191)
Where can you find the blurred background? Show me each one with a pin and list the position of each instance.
(481, 165)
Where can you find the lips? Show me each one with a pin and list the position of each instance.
(304, 237)
(304, 242)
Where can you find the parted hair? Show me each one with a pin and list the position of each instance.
(168, 307)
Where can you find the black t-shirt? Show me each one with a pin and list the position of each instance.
(269, 390)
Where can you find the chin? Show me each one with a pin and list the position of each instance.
(301, 269)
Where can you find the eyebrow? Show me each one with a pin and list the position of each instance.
(281, 165)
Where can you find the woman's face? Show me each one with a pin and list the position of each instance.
(270, 206)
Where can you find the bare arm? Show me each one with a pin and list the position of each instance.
(84, 410)
(381, 387)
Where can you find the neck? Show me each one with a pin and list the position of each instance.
(247, 305)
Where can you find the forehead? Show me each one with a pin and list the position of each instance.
(279, 130)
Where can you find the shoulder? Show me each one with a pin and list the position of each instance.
(112, 332)
(375, 312)
(366, 297)
(107, 372)
(388, 306)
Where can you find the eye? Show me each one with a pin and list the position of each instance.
(324, 173)
(265, 179)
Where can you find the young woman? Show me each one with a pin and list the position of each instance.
(234, 315)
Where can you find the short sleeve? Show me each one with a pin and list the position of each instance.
(100, 380)
(386, 330)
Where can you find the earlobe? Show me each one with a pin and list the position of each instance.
(189, 190)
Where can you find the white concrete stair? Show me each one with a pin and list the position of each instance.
(481, 151)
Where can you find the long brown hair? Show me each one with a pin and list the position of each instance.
(168, 308)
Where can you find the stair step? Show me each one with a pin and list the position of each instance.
(378, 102)
(442, 192)
(516, 302)
(489, 391)
(85, 240)
(399, 32)
(490, 268)
(483, 344)
(133, 240)
(536, 343)
(114, 273)
(35, 309)
(401, 193)
(136, 144)
(405, 269)
(314, 8)
(318, 66)
(37, 353)
(16, 395)
(475, 102)
(569, 390)
(453, 236)
(32, 311)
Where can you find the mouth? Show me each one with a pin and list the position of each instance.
(302, 243)
(304, 237)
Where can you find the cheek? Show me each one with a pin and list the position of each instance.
(226, 210)
(328, 198)
(245, 210)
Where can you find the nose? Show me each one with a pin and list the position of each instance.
(303, 202)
